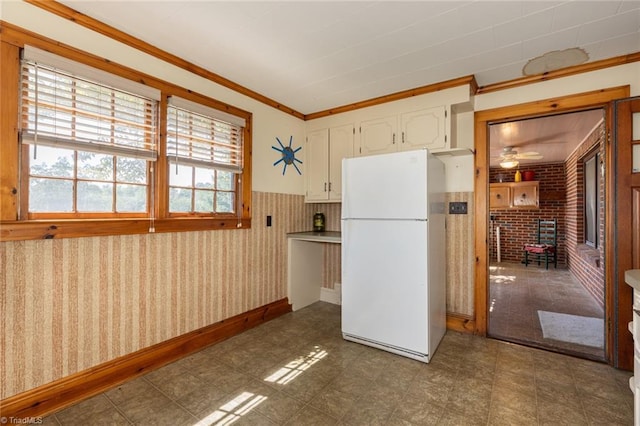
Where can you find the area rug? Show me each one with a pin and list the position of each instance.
(572, 328)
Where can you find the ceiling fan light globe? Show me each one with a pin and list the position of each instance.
(509, 164)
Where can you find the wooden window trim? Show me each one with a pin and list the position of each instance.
(12, 40)
(593, 155)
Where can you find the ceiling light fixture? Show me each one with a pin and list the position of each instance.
(509, 164)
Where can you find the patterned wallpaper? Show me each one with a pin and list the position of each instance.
(70, 304)
(460, 256)
(73, 303)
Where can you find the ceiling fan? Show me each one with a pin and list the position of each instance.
(509, 157)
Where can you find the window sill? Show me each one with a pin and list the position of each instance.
(50, 229)
(589, 254)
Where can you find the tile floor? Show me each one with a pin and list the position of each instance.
(518, 292)
(297, 370)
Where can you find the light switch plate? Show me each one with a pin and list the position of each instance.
(458, 207)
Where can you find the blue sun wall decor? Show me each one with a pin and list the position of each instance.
(288, 155)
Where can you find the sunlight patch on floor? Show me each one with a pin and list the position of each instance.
(502, 279)
(296, 367)
(233, 410)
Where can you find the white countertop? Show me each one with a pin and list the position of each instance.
(632, 277)
(321, 237)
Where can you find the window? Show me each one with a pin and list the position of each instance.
(205, 157)
(87, 146)
(591, 199)
(92, 158)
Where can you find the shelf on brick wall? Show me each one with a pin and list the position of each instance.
(514, 195)
(553, 195)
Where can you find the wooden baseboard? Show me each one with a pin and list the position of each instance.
(461, 323)
(64, 392)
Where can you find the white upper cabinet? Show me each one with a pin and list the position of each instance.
(324, 153)
(317, 165)
(425, 128)
(378, 136)
(340, 147)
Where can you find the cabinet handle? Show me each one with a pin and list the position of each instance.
(394, 139)
(329, 186)
(402, 137)
(498, 196)
(524, 195)
(325, 187)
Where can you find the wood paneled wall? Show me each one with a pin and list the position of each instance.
(70, 304)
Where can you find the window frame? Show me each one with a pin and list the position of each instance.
(12, 195)
(593, 185)
(80, 94)
(189, 155)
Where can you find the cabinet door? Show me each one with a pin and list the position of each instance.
(499, 196)
(426, 128)
(317, 165)
(378, 136)
(525, 196)
(340, 146)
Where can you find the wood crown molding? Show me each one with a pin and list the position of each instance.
(115, 34)
(111, 32)
(470, 80)
(69, 390)
(564, 72)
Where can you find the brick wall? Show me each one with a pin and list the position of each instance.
(518, 227)
(586, 263)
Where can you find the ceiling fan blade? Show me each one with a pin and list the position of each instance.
(527, 154)
(529, 157)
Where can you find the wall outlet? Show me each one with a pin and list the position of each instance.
(458, 207)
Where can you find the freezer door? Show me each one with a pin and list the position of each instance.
(384, 282)
(387, 186)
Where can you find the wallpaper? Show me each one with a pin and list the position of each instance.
(73, 303)
(70, 304)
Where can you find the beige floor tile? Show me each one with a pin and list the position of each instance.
(96, 411)
(324, 380)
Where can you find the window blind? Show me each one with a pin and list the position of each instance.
(62, 109)
(197, 136)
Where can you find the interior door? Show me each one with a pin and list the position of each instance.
(626, 219)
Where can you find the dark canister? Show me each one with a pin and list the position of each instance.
(318, 222)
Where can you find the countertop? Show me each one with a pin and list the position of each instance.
(321, 237)
(632, 277)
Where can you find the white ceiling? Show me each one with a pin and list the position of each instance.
(554, 137)
(316, 55)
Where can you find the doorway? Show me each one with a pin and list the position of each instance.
(573, 103)
(557, 305)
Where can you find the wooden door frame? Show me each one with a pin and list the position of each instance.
(569, 103)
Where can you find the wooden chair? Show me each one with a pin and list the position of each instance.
(546, 245)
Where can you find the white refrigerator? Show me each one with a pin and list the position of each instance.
(393, 252)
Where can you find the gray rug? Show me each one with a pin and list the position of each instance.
(572, 328)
